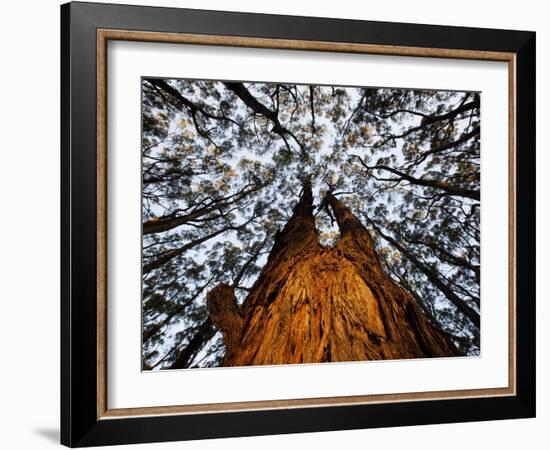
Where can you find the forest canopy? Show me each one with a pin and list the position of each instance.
(224, 165)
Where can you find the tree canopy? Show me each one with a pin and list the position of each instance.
(223, 166)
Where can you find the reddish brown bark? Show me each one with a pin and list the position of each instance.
(314, 304)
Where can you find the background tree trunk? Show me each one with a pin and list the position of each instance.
(314, 304)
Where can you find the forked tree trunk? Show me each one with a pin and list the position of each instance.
(315, 304)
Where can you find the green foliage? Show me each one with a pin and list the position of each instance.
(227, 161)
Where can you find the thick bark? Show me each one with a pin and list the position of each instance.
(226, 315)
(315, 304)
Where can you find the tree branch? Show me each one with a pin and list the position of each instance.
(437, 184)
(434, 279)
(249, 100)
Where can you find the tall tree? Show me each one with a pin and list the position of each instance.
(384, 232)
(314, 304)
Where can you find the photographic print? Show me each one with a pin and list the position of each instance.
(289, 223)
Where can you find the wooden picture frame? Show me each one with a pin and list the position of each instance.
(86, 418)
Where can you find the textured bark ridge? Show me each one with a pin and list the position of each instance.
(314, 304)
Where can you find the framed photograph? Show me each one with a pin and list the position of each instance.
(276, 224)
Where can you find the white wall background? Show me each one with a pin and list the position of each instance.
(29, 225)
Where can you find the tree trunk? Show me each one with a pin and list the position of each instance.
(315, 304)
